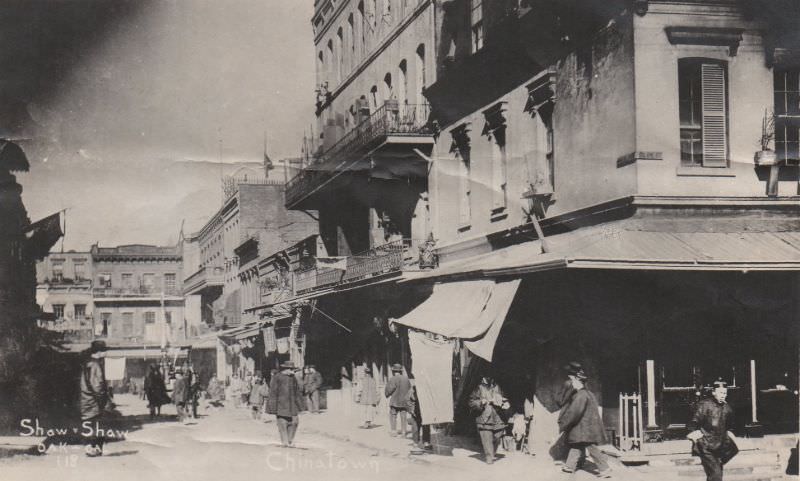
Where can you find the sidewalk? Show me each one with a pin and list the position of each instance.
(453, 453)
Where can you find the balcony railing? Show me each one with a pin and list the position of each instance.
(205, 276)
(135, 291)
(391, 118)
(385, 259)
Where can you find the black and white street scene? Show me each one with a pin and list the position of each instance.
(546, 240)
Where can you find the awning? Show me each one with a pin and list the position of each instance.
(149, 353)
(470, 310)
(621, 246)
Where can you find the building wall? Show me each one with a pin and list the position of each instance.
(395, 38)
(67, 261)
(750, 92)
(137, 270)
(593, 88)
(141, 332)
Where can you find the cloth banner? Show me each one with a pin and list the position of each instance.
(115, 368)
(282, 345)
(270, 345)
(432, 366)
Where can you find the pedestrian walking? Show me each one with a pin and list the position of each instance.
(95, 397)
(581, 425)
(285, 402)
(155, 390)
(420, 433)
(711, 439)
(346, 390)
(180, 395)
(312, 382)
(257, 397)
(397, 391)
(367, 397)
(490, 408)
(194, 392)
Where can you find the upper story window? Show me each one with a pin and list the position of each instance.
(702, 96)
(476, 24)
(127, 280)
(169, 281)
(461, 149)
(149, 317)
(495, 132)
(340, 54)
(787, 115)
(58, 271)
(58, 311)
(80, 271)
(80, 311)
(104, 279)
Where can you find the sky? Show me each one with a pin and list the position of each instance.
(125, 107)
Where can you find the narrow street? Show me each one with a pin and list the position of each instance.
(228, 444)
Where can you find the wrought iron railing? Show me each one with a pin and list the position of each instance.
(384, 259)
(392, 118)
(135, 291)
(207, 274)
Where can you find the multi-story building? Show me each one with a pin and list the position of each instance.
(645, 155)
(253, 214)
(366, 174)
(612, 182)
(123, 294)
(136, 292)
(64, 290)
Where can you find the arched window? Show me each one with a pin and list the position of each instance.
(340, 54)
(402, 83)
(362, 28)
(387, 87)
(351, 39)
(419, 74)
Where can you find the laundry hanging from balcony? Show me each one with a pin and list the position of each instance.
(470, 310)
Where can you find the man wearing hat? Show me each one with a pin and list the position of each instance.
(180, 395)
(711, 439)
(581, 424)
(285, 402)
(312, 381)
(397, 390)
(95, 398)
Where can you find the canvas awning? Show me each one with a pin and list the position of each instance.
(148, 353)
(470, 310)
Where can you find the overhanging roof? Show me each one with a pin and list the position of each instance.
(618, 245)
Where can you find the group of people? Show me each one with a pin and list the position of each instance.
(186, 392)
(401, 394)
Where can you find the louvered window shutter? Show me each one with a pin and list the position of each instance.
(715, 128)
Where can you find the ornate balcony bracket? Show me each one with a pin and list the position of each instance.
(641, 7)
(712, 36)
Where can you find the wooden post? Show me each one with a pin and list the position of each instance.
(651, 394)
(753, 390)
(621, 415)
(640, 434)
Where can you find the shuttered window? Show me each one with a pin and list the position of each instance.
(703, 113)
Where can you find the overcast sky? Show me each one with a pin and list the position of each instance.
(112, 94)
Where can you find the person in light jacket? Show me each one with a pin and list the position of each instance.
(581, 424)
(312, 381)
(397, 390)
(367, 397)
(180, 395)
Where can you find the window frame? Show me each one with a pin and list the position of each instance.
(784, 118)
(698, 158)
(476, 25)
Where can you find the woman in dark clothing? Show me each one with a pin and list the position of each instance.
(155, 390)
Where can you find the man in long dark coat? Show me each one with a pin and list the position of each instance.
(285, 402)
(397, 390)
(489, 405)
(712, 440)
(580, 422)
(95, 398)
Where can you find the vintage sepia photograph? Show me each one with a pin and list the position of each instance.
(542, 240)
